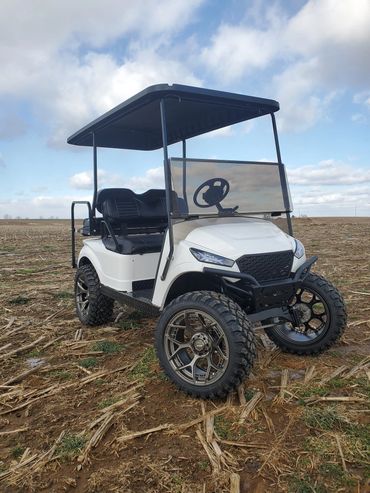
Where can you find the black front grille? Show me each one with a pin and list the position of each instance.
(267, 266)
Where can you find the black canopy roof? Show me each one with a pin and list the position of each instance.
(190, 111)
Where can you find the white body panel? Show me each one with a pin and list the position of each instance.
(118, 271)
(228, 237)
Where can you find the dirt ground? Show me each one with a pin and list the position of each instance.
(89, 410)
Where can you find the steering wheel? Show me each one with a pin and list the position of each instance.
(217, 190)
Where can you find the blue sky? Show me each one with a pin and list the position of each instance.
(65, 63)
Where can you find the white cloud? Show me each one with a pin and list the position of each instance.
(61, 72)
(152, 178)
(328, 172)
(2, 162)
(320, 51)
(41, 206)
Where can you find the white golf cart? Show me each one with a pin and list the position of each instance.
(209, 252)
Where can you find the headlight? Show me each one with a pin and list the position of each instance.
(299, 249)
(211, 258)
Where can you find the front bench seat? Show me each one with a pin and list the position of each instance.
(128, 213)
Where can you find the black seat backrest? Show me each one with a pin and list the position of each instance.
(123, 207)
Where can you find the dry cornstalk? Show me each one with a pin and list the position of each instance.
(97, 437)
(277, 445)
(241, 395)
(50, 343)
(279, 399)
(314, 400)
(11, 432)
(358, 322)
(209, 427)
(21, 376)
(270, 356)
(243, 445)
(14, 352)
(269, 422)
(5, 347)
(210, 453)
(341, 453)
(338, 371)
(23, 462)
(54, 389)
(9, 324)
(196, 421)
(309, 374)
(234, 483)
(362, 365)
(250, 406)
(78, 335)
(131, 436)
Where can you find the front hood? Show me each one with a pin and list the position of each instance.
(240, 237)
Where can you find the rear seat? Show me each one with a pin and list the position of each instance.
(137, 220)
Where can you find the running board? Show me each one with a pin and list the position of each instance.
(141, 304)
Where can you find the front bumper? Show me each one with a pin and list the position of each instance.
(269, 299)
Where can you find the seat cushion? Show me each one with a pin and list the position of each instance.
(136, 244)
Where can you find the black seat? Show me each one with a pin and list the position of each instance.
(137, 222)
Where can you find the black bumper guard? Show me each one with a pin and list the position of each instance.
(275, 295)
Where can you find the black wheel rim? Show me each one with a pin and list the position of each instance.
(82, 296)
(314, 315)
(196, 347)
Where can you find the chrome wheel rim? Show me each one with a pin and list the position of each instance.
(314, 316)
(82, 296)
(196, 347)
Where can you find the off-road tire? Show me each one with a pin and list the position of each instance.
(237, 329)
(337, 322)
(100, 307)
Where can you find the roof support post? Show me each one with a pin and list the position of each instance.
(95, 166)
(184, 173)
(283, 179)
(167, 180)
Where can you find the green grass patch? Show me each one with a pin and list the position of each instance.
(305, 485)
(17, 451)
(60, 374)
(48, 248)
(323, 418)
(224, 427)
(107, 347)
(248, 394)
(363, 386)
(337, 383)
(128, 324)
(35, 353)
(144, 367)
(203, 465)
(307, 392)
(63, 295)
(26, 271)
(88, 363)
(70, 445)
(334, 474)
(99, 382)
(108, 402)
(19, 300)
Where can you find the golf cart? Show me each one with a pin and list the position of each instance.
(208, 253)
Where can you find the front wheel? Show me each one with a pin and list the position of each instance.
(205, 344)
(322, 317)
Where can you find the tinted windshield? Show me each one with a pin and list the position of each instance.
(225, 187)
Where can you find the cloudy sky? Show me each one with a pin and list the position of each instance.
(64, 63)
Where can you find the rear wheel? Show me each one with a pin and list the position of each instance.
(322, 318)
(205, 344)
(92, 307)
